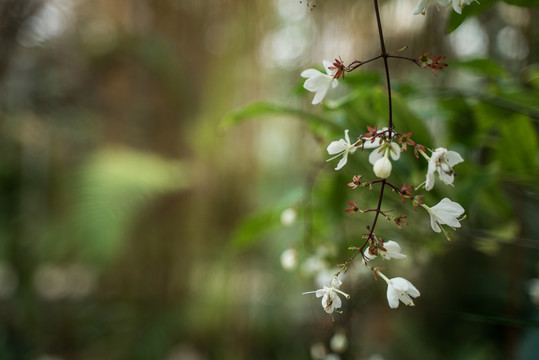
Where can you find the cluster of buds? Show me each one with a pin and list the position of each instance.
(426, 60)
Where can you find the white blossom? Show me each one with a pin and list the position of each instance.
(318, 82)
(442, 161)
(379, 157)
(446, 212)
(329, 294)
(422, 5)
(459, 4)
(341, 147)
(400, 289)
(456, 4)
(393, 251)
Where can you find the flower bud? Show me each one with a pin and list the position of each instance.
(382, 167)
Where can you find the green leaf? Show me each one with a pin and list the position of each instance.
(469, 11)
(252, 229)
(517, 147)
(110, 190)
(259, 109)
(485, 67)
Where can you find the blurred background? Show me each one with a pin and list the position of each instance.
(164, 192)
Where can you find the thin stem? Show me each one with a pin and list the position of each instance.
(355, 64)
(403, 58)
(378, 211)
(385, 56)
(371, 232)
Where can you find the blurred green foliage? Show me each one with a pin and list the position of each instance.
(142, 212)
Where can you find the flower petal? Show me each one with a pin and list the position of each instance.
(393, 250)
(392, 297)
(448, 207)
(434, 223)
(346, 137)
(337, 302)
(327, 65)
(343, 161)
(317, 82)
(420, 7)
(429, 183)
(370, 145)
(310, 73)
(335, 282)
(320, 95)
(453, 158)
(382, 168)
(375, 155)
(395, 151)
(337, 147)
(447, 178)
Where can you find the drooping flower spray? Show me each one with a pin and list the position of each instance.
(386, 146)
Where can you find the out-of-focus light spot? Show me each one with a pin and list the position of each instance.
(54, 282)
(376, 357)
(399, 15)
(284, 47)
(288, 217)
(513, 15)
(511, 43)
(332, 357)
(339, 342)
(290, 10)
(184, 352)
(49, 23)
(50, 282)
(48, 357)
(8, 281)
(318, 351)
(99, 36)
(533, 290)
(289, 259)
(81, 281)
(469, 40)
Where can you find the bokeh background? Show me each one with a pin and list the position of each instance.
(164, 192)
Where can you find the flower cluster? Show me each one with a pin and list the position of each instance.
(456, 4)
(426, 60)
(386, 147)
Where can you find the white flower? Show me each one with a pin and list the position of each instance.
(446, 212)
(442, 161)
(422, 5)
(393, 251)
(329, 294)
(379, 157)
(459, 4)
(318, 82)
(456, 4)
(341, 147)
(400, 289)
